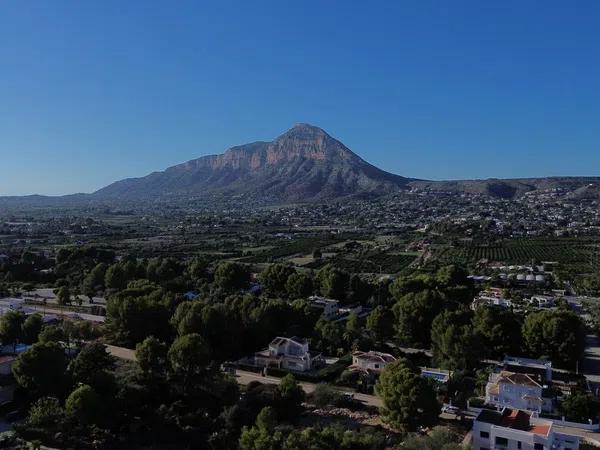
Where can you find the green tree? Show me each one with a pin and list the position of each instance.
(141, 310)
(380, 324)
(580, 407)
(11, 327)
(51, 333)
(408, 400)
(329, 336)
(94, 280)
(213, 322)
(232, 276)
(454, 343)
(414, 313)
(92, 364)
(267, 419)
(407, 285)
(41, 369)
(85, 405)
(353, 330)
(290, 396)
(32, 328)
(274, 278)
(333, 282)
(451, 276)
(324, 395)
(45, 412)
(198, 267)
(151, 356)
(63, 295)
(556, 335)
(115, 278)
(262, 436)
(299, 285)
(499, 330)
(188, 356)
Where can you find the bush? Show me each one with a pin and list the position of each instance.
(324, 395)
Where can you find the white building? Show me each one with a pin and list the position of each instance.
(371, 361)
(512, 429)
(289, 353)
(491, 297)
(543, 301)
(330, 307)
(516, 390)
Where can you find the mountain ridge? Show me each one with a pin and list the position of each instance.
(304, 164)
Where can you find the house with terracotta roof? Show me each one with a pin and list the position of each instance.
(290, 354)
(371, 362)
(516, 390)
(513, 429)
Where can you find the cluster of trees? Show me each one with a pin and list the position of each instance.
(267, 435)
(432, 311)
(285, 281)
(88, 396)
(460, 339)
(174, 395)
(25, 267)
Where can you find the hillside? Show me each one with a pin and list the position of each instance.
(303, 164)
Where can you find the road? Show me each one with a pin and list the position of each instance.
(591, 364)
(244, 378)
(590, 436)
(19, 304)
(121, 352)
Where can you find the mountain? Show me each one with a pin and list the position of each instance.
(303, 164)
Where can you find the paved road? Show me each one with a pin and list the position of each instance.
(8, 304)
(590, 436)
(121, 352)
(244, 378)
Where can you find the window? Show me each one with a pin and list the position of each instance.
(484, 434)
(377, 366)
(502, 441)
(518, 444)
(538, 446)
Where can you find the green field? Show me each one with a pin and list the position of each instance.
(573, 253)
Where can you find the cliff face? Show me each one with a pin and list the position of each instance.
(305, 163)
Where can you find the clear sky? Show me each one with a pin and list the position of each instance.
(95, 91)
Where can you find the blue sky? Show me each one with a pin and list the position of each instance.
(95, 91)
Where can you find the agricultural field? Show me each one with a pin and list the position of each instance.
(387, 263)
(575, 254)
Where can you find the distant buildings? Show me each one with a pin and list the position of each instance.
(513, 429)
(491, 297)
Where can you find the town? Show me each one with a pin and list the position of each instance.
(415, 325)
